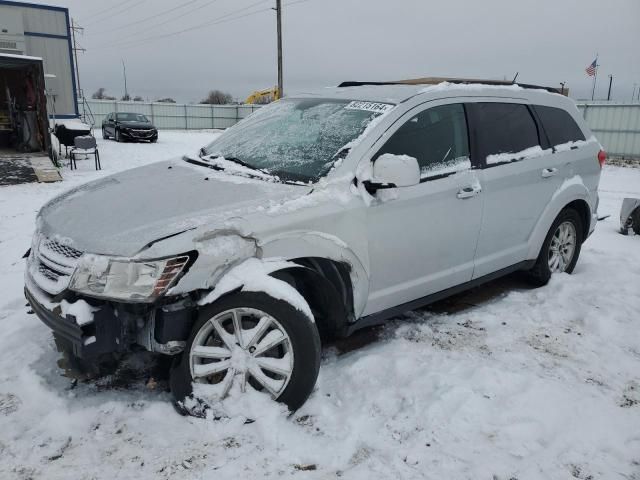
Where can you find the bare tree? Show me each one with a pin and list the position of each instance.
(217, 97)
(138, 98)
(166, 100)
(101, 95)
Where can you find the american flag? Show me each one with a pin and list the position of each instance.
(591, 69)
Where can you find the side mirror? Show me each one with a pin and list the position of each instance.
(391, 170)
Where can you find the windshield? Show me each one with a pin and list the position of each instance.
(296, 139)
(131, 117)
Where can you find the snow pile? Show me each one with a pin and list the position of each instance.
(454, 165)
(563, 147)
(324, 190)
(73, 124)
(253, 275)
(81, 310)
(446, 86)
(525, 154)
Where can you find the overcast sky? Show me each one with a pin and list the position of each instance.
(327, 41)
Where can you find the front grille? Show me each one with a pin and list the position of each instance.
(61, 249)
(48, 272)
(52, 264)
(141, 133)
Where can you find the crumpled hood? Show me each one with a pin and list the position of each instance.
(122, 213)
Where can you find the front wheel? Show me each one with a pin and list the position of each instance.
(249, 340)
(561, 248)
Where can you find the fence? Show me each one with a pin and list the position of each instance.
(616, 125)
(175, 116)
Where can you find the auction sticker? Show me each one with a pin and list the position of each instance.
(369, 106)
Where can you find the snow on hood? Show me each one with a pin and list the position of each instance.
(120, 214)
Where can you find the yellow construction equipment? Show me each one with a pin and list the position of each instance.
(264, 96)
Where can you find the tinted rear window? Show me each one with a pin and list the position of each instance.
(503, 128)
(559, 125)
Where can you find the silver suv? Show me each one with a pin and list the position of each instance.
(315, 216)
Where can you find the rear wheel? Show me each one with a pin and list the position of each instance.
(635, 223)
(249, 340)
(561, 248)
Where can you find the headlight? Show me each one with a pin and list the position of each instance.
(124, 279)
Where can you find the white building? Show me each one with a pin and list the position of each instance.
(42, 31)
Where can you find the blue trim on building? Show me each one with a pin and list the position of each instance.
(73, 68)
(33, 5)
(50, 35)
(46, 35)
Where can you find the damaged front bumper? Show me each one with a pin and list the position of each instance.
(116, 327)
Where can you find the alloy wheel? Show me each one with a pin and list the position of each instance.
(244, 347)
(562, 247)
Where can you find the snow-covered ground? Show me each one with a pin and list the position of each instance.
(505, 382)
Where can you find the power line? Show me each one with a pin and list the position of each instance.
(172, 19)
(95, 14)
(115, 12)
(146, 19)
(216, 21)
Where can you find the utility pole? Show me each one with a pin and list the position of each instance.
(124, 73)
(610, 82)
(633, 92)
(75, 28)
(279, 28)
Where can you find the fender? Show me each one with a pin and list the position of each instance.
(571, 190)
(299, 244)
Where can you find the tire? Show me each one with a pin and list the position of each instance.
(635, 221)
(154, 140)
(104, 134)
(541, 272)
(302, 341)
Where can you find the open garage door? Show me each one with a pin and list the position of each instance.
(24, 129)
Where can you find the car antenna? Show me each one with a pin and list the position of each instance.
(514, 78)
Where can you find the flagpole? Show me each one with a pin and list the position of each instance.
(595, 77)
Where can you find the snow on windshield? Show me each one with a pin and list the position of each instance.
(296, 139)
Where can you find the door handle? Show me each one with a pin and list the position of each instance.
(549, 172)
(468, 192)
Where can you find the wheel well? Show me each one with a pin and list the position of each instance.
(326, 286)
(584, 211)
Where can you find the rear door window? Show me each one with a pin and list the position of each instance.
(503, 128)
(559, 126)
(437, 138)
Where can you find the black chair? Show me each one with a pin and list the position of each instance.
(84, 145)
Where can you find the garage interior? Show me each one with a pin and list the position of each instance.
(24, 136)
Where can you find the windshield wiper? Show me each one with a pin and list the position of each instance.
(240, 162)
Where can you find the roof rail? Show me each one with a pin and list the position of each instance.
(436, 80)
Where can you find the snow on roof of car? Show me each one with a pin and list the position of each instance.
(397, 93)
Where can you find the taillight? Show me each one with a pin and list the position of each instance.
(602, 158)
